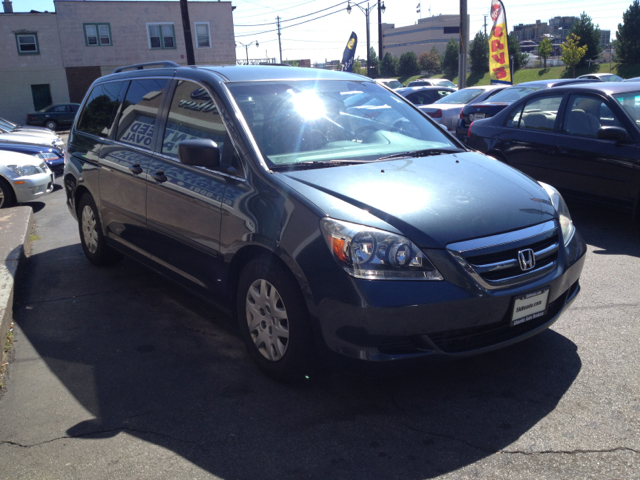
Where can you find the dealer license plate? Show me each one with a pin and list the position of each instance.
(530, 306)
(477, 116)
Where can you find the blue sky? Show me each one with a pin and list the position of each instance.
(325, 38)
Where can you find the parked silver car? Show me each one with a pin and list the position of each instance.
(446, 111)
(23, 178)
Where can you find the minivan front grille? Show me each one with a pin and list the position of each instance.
(510, 259)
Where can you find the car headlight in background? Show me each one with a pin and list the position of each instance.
(373, 254)
(566, 224)
(46, 156)
(24, 170)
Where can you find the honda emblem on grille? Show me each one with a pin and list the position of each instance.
(527, 259)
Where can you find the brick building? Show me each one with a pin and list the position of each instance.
(56, 56)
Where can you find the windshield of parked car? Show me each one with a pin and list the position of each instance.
(512, 94)
(611, 78)
(630, 103)
(6, 122)
(393, 84)
(446, 83)
(45, 109)
(320, 121)
(461, 96)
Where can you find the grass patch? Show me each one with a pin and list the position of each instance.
(8, 342)
(33, 237)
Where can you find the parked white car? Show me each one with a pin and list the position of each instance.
(32, 138)
(23, 178)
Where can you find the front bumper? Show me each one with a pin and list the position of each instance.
(387, 320)
(56, 165)
(32, 187)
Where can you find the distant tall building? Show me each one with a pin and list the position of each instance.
(605, 37)
(422, 37)
(558, 27)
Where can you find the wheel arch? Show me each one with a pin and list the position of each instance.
(11, 188)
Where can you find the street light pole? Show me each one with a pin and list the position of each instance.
(246, 48)
(366, 12)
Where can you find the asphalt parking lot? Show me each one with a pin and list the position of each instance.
(117, 373)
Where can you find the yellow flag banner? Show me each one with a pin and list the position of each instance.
(499, 67)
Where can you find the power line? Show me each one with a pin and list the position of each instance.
(295, 18)
(280, 10)
(296, 24)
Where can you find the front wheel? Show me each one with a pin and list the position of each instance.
(51, 124)
(91, 237)
(6, 195)
(274, 321)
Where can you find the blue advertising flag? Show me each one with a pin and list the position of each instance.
(349, 53)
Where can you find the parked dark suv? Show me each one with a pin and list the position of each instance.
(326, 211)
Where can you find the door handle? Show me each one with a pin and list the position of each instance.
(159, 176)
(136, 169)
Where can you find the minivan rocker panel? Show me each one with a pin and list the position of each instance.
(337, 218)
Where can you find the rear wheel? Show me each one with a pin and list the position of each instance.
(274, 321)
(91, 237)
(51, 124)
(7, 198)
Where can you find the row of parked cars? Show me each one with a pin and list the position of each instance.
(30, 157)
(580, 135)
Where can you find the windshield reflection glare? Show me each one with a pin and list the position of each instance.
(320, 121)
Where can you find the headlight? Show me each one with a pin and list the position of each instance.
(373, 254)
(566, 223)
(24, 170)
(46, 156)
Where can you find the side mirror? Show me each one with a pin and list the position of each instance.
(201, 152)
(444, 127)
(616, 134)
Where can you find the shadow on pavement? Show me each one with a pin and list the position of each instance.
(613, 232)
(146, 358)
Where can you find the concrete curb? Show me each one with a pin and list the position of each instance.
(16, 225)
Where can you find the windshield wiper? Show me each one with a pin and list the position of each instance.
(423, 153)
(318, 164)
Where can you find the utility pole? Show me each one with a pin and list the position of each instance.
(368, 49)
(186, 26)
(380, 54)
(485, 25)
(366, 12)
(279, 42)
(464, 34)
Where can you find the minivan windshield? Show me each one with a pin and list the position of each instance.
(333, 121)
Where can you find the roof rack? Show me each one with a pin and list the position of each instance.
(140, 66)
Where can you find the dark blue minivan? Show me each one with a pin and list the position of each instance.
(324, 211)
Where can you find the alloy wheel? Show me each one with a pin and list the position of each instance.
(89, 231)
(267, 320)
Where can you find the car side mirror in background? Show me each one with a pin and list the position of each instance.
(616, 134)
(201, 152)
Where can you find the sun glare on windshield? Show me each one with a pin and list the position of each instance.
(308, 105)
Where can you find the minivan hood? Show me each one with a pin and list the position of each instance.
(432, 200)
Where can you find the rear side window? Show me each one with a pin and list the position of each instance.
(100, 109)
(193, 114)
(541, 113)
(139, 112)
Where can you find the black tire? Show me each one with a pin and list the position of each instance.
(91, 237)
(51, 125)
(298, 355)
(7, 198)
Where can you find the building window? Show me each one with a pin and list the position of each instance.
(203, 38)
(161, 35)
(97, 34)
(27, 43)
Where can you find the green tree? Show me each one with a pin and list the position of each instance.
(520, 58)
(408, 65)
(450, 60)
(628, 36)
(572, 52)
(388, 66)
(430, 61)
(358, 66)
(544, 49)
(589, 35)
(479, 53)
(374, 64)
